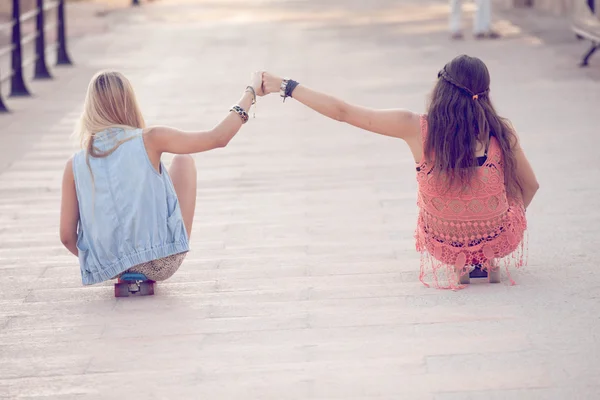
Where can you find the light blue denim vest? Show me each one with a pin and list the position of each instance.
(128, 212)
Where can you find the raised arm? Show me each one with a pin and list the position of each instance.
(160, 139)
(392, 122)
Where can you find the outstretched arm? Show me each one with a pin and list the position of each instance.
(160, 139)
(393, 122)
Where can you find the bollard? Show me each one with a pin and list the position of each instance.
(41, 69)
(62, 56)
(17, 83)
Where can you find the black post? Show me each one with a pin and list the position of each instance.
(586, 59)
(135, 2)
(62, 57)
(17, 84)
(41, 69)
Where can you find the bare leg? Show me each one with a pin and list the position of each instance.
(183, 174)
(481, 24)
(482, 27)
(455, 18)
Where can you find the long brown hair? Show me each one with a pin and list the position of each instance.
(460, 116)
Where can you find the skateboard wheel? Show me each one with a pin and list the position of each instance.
(127, 288)
(463, 275)
(146, 288)
(494, 275)
(121, 290)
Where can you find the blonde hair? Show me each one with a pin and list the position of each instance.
(110, 103)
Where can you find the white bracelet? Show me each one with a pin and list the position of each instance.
(283, 87)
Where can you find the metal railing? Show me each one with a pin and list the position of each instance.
(18, 87)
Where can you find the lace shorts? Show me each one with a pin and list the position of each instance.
(161, 269)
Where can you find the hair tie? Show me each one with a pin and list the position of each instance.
(476, 96)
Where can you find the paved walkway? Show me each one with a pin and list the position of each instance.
(303, 280)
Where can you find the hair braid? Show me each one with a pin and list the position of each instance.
(450, 79)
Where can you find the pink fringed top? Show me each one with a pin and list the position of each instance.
(467, 226)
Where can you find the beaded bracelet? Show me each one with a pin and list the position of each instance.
(240, 111)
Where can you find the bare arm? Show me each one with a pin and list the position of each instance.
(69, 210)
(160, 139)
(529, 183)
(392, 122)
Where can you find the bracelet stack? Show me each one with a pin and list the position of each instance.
(241, 112)
(287, 88)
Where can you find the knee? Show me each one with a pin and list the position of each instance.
(183, 169)
(184, 163)
(184, 160)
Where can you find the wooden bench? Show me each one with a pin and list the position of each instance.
(586, 25)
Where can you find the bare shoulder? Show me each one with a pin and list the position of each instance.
(406, 125)
(151, 132)
(158, 132)
(411, 123)
(414, 125)
(154, 136)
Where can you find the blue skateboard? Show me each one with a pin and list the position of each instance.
(133, 284)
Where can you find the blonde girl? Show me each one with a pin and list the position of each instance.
(122, 210)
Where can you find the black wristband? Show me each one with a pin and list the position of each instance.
(289, 90)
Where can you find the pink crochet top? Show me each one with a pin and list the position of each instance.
(467, 226)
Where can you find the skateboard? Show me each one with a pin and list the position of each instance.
(132, 284)
(479, 272)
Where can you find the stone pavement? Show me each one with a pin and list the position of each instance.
(303, 279)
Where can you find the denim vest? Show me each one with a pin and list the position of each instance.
(128, 212)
